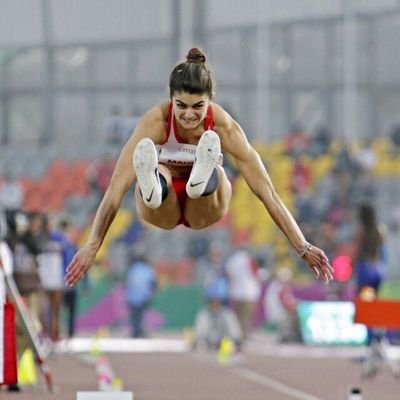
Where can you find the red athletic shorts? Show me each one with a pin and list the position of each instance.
(179, 185)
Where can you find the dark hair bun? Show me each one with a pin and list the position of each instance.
(195, 56)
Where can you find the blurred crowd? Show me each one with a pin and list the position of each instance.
(330, 206)
(42, 249)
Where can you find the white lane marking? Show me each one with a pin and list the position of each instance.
(104, 396)
(122, 345)
(315, 352)
(255, 377)
(273, 384)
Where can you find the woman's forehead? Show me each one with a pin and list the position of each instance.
(190, 98)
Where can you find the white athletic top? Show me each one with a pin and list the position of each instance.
(174, 151)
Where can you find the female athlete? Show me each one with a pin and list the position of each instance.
(177, 162)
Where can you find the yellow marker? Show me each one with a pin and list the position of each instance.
(95, 347)
(27, 369)
(117, 384)
(226, 349)
(188, 336)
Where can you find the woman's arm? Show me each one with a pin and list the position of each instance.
(251, 167)
(152, 125)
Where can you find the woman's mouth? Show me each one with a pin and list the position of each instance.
(189, 121)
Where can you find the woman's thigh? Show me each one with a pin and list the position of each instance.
(207, 210)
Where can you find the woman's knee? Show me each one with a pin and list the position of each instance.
(200, 218)
(163, 221)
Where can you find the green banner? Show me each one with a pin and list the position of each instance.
(330, 323)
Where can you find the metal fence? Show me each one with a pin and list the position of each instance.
(336, 69)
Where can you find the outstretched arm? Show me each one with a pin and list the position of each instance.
(253, 171)
(151, 125)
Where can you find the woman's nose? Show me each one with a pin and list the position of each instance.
(189, 112)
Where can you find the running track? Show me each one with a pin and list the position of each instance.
(266, 371)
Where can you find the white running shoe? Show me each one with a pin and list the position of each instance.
(207, 155)
(145, 161)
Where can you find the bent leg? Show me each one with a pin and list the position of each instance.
(168, 214)
(206, 210)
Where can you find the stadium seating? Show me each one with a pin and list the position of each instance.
(56, 182)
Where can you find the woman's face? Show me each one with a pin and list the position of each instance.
(190, 109)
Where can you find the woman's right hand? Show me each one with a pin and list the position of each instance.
(80, 264)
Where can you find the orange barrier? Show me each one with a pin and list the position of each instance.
(378, 313)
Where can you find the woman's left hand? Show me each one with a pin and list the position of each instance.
(319, 263)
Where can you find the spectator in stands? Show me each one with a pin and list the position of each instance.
(182, 181)
(99, 174)
(140, 286)
(345, 161)
(325, 192)
(320, 142)
(365, 157)
(297, 141)
(305, 206)
(363, 188)
(301, 175)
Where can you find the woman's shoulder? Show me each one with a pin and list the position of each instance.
(152, 123)
(158, 112)
(222, 120)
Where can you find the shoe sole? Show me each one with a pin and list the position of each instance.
(207, 155)
(145, 162)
